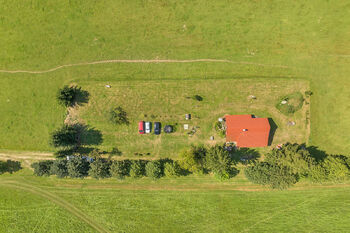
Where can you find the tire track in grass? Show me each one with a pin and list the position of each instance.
(58, 201)
(141, 61)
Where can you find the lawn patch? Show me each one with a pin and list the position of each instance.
(291, 103)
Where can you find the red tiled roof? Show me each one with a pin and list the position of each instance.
(247, 131)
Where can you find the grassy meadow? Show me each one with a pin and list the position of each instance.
(187, 204)
(168, 102)
(309, 38)
(276, 47)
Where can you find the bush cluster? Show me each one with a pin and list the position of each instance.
(283, 167)
(216, 160)
(9, 166)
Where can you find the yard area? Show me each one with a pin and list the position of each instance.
(168, 102)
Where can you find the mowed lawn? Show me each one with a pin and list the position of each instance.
(168, 101)
(189, 204)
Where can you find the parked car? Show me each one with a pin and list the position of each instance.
(147, 127)
(157, 128)
(141, 127)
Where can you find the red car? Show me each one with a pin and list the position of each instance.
(141, 127)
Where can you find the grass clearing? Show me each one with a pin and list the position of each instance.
(169, 101)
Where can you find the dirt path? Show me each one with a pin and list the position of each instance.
(140, 61)
(26, 157)
(58, 201)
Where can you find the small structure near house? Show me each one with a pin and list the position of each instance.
(108, 86)
(291, 123)
(284, 102)
(188, 116)
(186, 126)
(221, 119)
(168, 129)
(247, 131)
(212, 138)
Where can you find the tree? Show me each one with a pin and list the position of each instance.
(137, 169)
(13, 166)
(172, 169)
(9, 166)
(193, 159)
(336, 168)
(118, 116)
(66, 136)
(78, 167)
(272, 175)
(59, 168)
(100, 168)
(3, 167)
(218, 161)
(293, 156)
(67, 95)
(154, 169)
(120, 169)
(42, 168)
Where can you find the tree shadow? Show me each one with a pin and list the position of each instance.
(116, 152)
(88, 135)
(79, 151)
(234, 172)
(81, 96)
(316, 153)
(273, 128)
(245, 156)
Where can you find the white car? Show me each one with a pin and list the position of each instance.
(147, 127)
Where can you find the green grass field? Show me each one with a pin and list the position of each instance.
(287, 44)
(310, 39)
(188, 204)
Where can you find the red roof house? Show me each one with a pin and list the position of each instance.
(247, 131)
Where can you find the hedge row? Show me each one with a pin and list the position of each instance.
(79, 167)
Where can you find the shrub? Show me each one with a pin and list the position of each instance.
(172, 169)
(220, 129)
(193, 159)
(137, 169)
(197, 97)
(100, 168)
(66, 136)
(154, 169)
(78, 167)
(120, 169)
(318, 173)
(294, 103)
(272, 175)
(42, 168)
(118, 116)
(59, 168)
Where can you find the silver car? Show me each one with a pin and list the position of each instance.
(147, 127)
